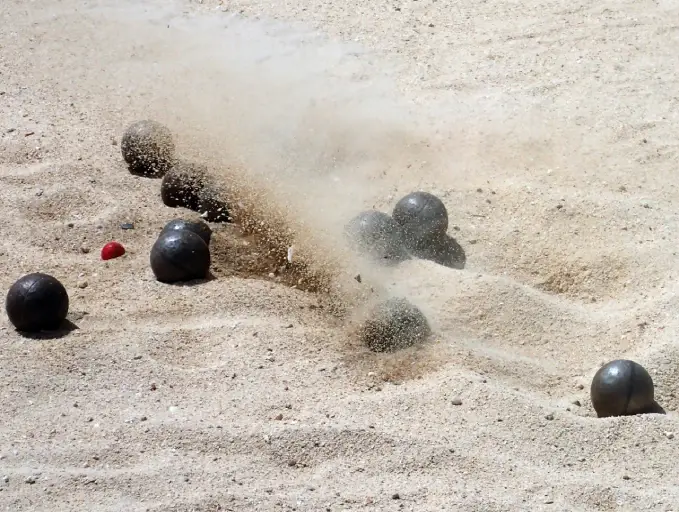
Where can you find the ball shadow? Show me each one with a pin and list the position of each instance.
(193, 282)
(655, 408)
(142, 174)
(445, 251)
(65, 328)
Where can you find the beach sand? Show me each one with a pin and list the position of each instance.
(549, 129)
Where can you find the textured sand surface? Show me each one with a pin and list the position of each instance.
(548, 128)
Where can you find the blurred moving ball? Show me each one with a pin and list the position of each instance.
(621, 388)
(212, 207)
(182, 185)
(376, 234)
(179, 255)
(189, 185)
(37, 302)
(423, 217)
(393, 325)
(198, 227)
(148, 148)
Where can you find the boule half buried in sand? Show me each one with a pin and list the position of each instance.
(393, 325)
(148, 148)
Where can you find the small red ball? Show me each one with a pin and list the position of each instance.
(112, 250)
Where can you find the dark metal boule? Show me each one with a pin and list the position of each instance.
(621, 388)
(37, 302)
(148, 148)
(198, 227)
(180, 255)
(182, 185)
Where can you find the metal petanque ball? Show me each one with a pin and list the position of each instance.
(198, 227)
(179, 255)
(37, 302)
(622, 388)
(393, 325)
(182, 185)
(212, 207)
(376, 234)
(148, 148)
(423, 217)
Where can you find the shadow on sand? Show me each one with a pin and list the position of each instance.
(445, 251)
(66, 327)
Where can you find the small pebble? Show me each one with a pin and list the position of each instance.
(84, 249)
(82, 284)
(279, 417)
(625, 477)
(669, 435)
(456, 401)
(31, 480)
(396, 496)
(127, 225)
(549, 417)
(5, 479)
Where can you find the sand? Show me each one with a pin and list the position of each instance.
(548, 129)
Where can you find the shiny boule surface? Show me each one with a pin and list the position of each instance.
(37, 302)
(393, 325)
(621, 388)
(179, 255)
(198, 227)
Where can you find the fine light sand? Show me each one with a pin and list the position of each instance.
(550, 130)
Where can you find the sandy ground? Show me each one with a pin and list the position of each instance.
(548, 128)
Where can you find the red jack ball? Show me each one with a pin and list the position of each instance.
(112, 250)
